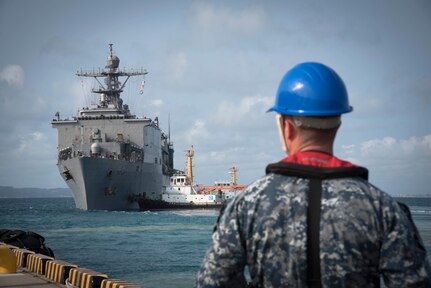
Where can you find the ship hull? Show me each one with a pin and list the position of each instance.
(108, 184)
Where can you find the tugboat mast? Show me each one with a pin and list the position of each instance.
(111, 90)
(190, 154)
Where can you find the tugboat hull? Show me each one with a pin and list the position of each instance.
(149, 204)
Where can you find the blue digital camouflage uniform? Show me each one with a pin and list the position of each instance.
(363, 235)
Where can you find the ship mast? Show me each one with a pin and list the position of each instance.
(233, 172)
(112, 88)
(190, 154)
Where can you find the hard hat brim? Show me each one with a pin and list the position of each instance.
(309, 113)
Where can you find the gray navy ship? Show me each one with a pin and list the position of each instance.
(108, 157)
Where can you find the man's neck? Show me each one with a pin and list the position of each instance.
(328, 149)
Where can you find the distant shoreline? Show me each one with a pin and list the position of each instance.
(12, 192)
(9, 192)
(412, 196)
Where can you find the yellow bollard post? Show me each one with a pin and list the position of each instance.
(8, 262)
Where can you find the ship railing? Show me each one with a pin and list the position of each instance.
(135, 156)
(102, 117)
(65, 153)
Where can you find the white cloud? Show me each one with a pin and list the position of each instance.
(207, 16)
(157, 103)
(179, 66)
(399, 166)
(390, 147)
(32, 156)
(229, 113)
(197, 132)
(38, 136)
(414, 145)
(377, 146)
(223, 156)
(14, 75)
(30, 141)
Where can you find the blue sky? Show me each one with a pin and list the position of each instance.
(214, 66)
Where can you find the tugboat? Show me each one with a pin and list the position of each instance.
(108, 156)
(182, 193)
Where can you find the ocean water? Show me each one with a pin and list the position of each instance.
(160, 249)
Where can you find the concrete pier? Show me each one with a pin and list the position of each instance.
(25, 279)
(40, 271)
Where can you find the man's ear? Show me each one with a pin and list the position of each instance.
(280, 125)
(290, 131)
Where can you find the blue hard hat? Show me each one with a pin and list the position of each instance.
(311, 89)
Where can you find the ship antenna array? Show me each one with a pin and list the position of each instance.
(110, 92)
(110, 49)
(169, 128)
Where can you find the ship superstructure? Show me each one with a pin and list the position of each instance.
(106, 155)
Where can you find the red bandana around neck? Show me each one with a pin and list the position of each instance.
(316, 158)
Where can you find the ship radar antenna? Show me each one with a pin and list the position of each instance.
(169, 128)
(110, 49)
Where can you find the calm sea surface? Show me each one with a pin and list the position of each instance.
(156, 249)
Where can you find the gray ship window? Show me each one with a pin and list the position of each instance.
(155, 160)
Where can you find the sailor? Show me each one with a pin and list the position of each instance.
(314, 220)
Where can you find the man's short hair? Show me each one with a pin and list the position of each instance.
(314, 122)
